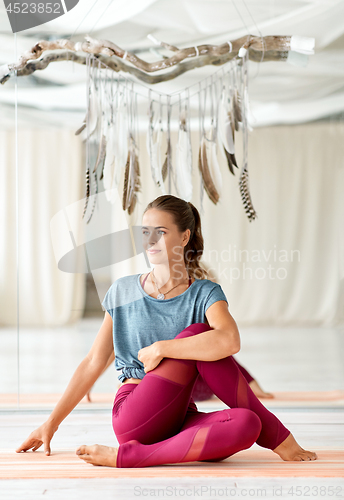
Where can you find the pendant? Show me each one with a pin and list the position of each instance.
(161, 296)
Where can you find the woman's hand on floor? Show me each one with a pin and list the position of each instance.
(150, 356)
(42, 435)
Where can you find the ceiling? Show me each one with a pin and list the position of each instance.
(279, 92)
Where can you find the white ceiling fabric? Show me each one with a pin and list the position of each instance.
(279, 92)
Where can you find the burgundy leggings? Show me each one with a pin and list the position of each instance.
(201, 391)
(156, 421)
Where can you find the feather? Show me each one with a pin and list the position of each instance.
(236, 100)
(234, 113)
(164, 169)
(95, 182)
(132, 183)
(231, 161)
(183, 172)
(83, 126)
(101, 153)
(109, 165)
(214, 166)
(245, 194)
(92, 118)
(157, 154)
(153, 146)
(204, 169)
(125, 184)
(102, 171)
(226, 128)
(136, 185)
(87, 191)
(121, 145)
(149, 144)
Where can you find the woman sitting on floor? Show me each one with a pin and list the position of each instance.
(155, 329)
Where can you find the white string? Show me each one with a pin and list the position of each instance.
(197, 51)
(125, 55)
(17, 212)
(230, 46)
(99, 18)
(83, 19)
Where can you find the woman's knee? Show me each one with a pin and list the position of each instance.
(249, 423)
(193, 329)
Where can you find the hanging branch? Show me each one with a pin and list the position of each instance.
(272, 47)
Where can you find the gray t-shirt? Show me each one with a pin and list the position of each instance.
(139, 320)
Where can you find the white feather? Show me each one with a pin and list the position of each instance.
(109, 178)
(152, 151)
(153, 143)
(213, 163)
(121, 145)
(157, 156)
(92, 119)
(225, 129)
(183, 172)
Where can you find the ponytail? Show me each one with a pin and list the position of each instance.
(186, 216)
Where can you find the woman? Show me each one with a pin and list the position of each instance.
(162, 343)
(201, 391)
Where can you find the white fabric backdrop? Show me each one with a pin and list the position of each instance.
(50, 178)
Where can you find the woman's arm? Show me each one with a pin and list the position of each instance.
(222, 341)
(109, 363)
(88, 371)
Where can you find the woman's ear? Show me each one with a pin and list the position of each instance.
(186, 237)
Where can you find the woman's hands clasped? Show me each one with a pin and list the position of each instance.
(42, 435)
(150, 356)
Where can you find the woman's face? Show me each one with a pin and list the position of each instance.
(161, 238)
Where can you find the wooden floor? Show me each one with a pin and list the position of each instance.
(248, 463)
(319, 429)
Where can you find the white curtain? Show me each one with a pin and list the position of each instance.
(287, 266)
(50, 169)
(296, 181)
(284, 268)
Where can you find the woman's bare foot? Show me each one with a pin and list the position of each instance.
(98, 455)
(258, 391)
(289, 449)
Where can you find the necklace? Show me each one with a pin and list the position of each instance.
(161, 296)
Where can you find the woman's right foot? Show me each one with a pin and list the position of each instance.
(289, 449)
(98, 455)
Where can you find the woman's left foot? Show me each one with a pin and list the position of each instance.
(258, 391)
(98, 455)
(289, 449)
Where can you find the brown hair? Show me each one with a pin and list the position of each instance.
(185, 216)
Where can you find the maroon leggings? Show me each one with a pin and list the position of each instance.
(201, 391)
(156, 421)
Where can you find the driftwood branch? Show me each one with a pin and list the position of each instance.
(273, 48)
(118, 65)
